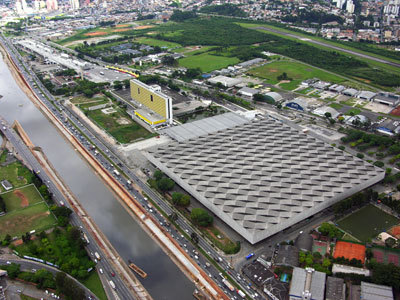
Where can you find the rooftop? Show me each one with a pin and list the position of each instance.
(370, 291)
(307, 281)
(205, 126)
(288, 256)
(263, 176)
(335, 289)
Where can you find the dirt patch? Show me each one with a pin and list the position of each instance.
(122, 25)
(24, 199)
(96, 33)
(123, 121)
(273, 70)
(396, 111)
(120, 30)
(144, 27)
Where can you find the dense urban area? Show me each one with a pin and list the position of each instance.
(206, 149)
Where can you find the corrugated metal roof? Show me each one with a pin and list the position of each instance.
(205, 126)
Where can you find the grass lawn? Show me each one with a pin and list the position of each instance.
(15, 199)
(367, 222)
(90, 104)
(155, 42)
(207, 62)
(93, 283)
(336, 105)
(294, 70)
(83, 99)
(123, 133)
(289, 86)
(354, 111)
(35, 217)
(25, 297)
(17, 174)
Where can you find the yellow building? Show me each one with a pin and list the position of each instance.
(152, 99)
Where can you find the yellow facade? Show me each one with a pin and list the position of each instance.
(147, 120)
(150, 99)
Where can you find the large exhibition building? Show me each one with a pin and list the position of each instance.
(263, 176)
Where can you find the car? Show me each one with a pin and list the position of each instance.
(112, 274)
(101, 271)
(8, 263)
(34, 270)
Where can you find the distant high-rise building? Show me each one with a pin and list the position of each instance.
(350, 6)
(51, 5)
(18, 7)
(339, 3)
(74, 4)
(24, 6)
(36, 5)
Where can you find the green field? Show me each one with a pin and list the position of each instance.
(13, 198)
(93, 283)
(367, 222)
(122, 133)
(155, 42)
(295, 70)
(17, 174)
(36, 217)
(207, 62)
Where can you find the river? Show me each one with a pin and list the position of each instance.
(165, 280)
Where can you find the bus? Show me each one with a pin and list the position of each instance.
(250, 255)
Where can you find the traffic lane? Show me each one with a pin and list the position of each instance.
(31, 266)
(80, 125)
(43, 175)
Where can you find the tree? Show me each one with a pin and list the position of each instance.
(13, 270)
(158, 175)
(165, 184)
(185, 200)
(68, 287)
(201, 217)
(328, 115)
(168, 60)
(329, 230)
(2, 205)
(7, 240)
(176, 198)
(194, 237)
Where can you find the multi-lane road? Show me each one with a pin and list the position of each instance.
(89, 139)
(92, 247)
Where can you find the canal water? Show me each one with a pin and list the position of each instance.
(164, 280)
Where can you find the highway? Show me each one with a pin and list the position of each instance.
(92, 142)
(32, 266)
(92, 247)
(72, 122)
(310, 40)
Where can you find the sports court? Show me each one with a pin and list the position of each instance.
(367, 222)
(349, 251)
(320, 247)
(386, 256)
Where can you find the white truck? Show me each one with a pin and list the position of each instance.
(228, 285)
(116, 172)
(241, 294)
(97, 256)
(112, 284)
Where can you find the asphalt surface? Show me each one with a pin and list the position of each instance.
(309, 40)
(72, 121)
(122, 291)
(32, 266)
